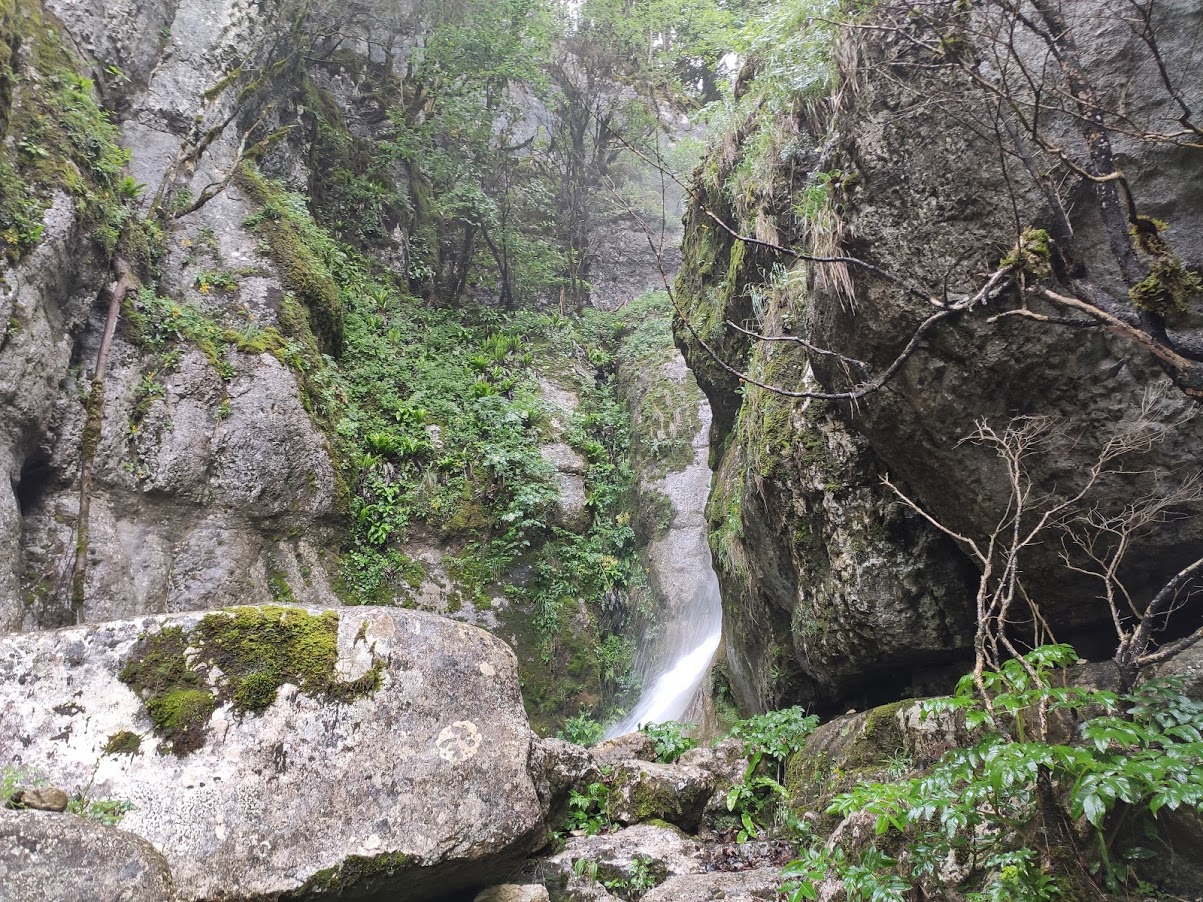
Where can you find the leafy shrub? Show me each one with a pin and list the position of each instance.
(587, 810)
(671, 741)
(759, 800)
(991, 806)
(583, 729)
(775, 735)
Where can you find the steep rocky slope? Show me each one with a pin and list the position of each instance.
(832, 586)
(279, 416)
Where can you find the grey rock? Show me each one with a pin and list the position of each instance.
(513, 892)
(726, 763)
(638, 745)
(560, 767)
(46, 856)
(423, 785)
(642, 791)
(570, 473)
(739, 886)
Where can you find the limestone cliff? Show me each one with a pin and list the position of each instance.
(837, 593)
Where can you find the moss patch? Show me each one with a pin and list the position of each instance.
(356, 873)
(123, 743)
(299, 249)
(241, 656)
(58, 137)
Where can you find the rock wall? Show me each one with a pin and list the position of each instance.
(211, 481)
(836, 593)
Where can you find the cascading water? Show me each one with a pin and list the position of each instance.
(673, 664)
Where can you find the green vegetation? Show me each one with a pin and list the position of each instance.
(758, 802)
(13, 779)
(999, 810)
(587, 810)
(252, 652)
(671, 741)
(630, 883)
(59, 139)
(437, 425)
(104, 811)
(582, 729)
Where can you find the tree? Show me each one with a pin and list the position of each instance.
(1096, 531)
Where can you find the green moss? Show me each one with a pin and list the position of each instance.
(355, 874)
(123, 743)
(241, 656)
(1031, 254)
(181, 716)
(298, 248)
(1168, 288)
(58, 137)
(277, 583)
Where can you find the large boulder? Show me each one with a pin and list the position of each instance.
(46, 856)
(281, 752)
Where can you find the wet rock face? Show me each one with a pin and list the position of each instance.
(929, 197)
(402, 765)
(833, 590)
(60, 856)
(211, 480)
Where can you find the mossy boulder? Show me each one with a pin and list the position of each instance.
(888, 742)
(347, 752)
(642, 791)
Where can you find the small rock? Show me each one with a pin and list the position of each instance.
(741, 886)
(514, 892)
(48, 798)
(624, 748)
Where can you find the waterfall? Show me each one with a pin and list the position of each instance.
(674, 663)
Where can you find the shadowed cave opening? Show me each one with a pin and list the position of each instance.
(30, 487)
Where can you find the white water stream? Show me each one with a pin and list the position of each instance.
(673, 663)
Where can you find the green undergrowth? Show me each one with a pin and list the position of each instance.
(1055, 794)
(437, 423)
(241, 656)
(55, 137)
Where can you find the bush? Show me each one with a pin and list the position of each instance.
(993, 807)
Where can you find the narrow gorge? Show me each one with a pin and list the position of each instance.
(597, 450)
